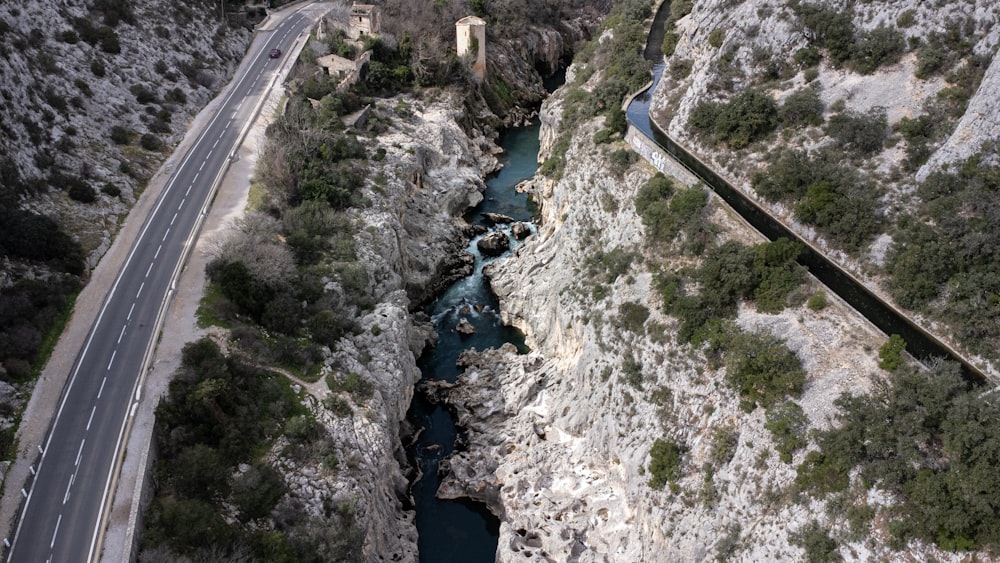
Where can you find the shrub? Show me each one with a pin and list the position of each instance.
(787, 424)
(762, 369)
(907, 18)
(716, 37)
(808, 56)
(817, 301)
(97, 68)
(819, 547)
(891, 353)
(802, 107)
(829, 28)
(746, 118)
(143, 94)
(880, 46)
(110, 189)
(68, 36)
(928, 439)
(632, 316)
(725, 440)
(120, 135)
(82, 192)
(670, 40)
(351, 383)
(861, 133)
(150, 142)
(664, 463)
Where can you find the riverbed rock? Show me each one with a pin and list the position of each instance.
(494, 244)
(497, 218)
(465, 328)
(520, 230)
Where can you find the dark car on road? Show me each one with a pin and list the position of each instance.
(275, 53)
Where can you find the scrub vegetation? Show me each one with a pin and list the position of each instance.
(928, 440)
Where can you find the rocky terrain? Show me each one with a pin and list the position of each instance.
(759, 45)
(560, 439)
(84, 82)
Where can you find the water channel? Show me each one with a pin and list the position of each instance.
(921, 344)
(452, 531)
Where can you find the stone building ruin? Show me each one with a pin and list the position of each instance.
(470, 33)
(366, 19)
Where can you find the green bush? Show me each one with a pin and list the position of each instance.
(725, 440)
(931, 441)
(670, 41)
(880, 46)
(817, 301)
(716, 37)
(120, 135)
(802, 107)
(829, 28)
(746, 118)
(788, 424)
(891, 353)
(815, 540)
(150, 142)
(632, 316)
(664, 463)
(762, 369)
(907, 18)
(830, 195)
(808, 56)
(861, 133)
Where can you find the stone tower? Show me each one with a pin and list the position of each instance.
(471, 35)
(365, 20)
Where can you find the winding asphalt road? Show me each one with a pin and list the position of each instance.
(62, 516)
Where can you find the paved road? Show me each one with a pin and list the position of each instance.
(62, 515)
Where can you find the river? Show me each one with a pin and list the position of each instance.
(453, 531)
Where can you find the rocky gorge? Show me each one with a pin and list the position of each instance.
(562, 439)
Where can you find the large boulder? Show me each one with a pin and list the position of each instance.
(465, 328)
(494, 244)
(498, 218)
(520, 230)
